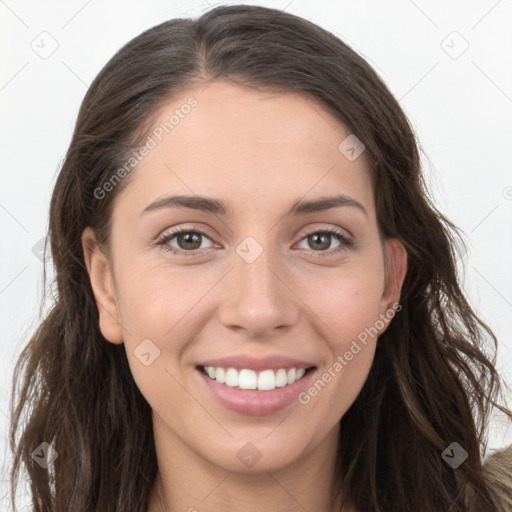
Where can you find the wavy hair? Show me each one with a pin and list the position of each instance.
(433, 381)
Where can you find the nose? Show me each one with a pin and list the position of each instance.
(258, 297)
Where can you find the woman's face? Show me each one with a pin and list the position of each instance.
(257, 285)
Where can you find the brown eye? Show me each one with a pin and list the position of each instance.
(320, 241)
(189, 240)
(184, 242)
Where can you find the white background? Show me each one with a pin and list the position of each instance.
(460, 109)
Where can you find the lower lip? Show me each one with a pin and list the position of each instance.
(253, 402)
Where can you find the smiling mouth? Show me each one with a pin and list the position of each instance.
(247, 379)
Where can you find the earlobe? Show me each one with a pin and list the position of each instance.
(396, 269)
(102, 284)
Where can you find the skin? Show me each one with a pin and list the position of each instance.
(259, 152)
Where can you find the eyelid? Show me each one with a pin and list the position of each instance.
(176, 230)
(316, 229)
(192, 227)
(346, 243)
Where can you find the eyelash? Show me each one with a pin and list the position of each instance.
(345, 243)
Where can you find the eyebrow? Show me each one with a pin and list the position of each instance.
(218, 207)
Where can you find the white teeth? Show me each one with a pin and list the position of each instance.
(265, 380)
(220, 375)
(281, 378)
(247, 379)
(231, 377)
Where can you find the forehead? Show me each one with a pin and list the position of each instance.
(248, 145)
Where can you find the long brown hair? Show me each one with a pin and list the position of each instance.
(433, 381)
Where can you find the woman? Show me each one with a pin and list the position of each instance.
(310, 350)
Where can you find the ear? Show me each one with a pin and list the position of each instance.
(395, 257)
(102, 284)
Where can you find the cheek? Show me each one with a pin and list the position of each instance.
(162, 307)
(347, 300)
(348, 306)
(348, 329)
(169, 308)
(157, 300)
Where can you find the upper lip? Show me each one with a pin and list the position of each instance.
(257, 364)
